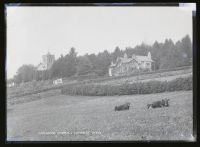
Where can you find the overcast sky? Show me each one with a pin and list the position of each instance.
(33, 31)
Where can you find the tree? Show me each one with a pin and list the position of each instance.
(25, 73)
(117, 53)
(73, 53)
(58, 68)
(84, 65)
(104, 60)
(71, 62)
(180, 56)
(64, 66)
(167, 55)
(156, 54)
(187, 46)
(93, 61)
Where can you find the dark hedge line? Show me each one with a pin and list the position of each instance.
(129, 89)
(37, 87)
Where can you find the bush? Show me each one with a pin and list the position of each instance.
(128, 89)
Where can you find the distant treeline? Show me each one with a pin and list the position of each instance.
(166, 55)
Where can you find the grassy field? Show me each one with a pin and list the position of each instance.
(160, 76)
(61, 117)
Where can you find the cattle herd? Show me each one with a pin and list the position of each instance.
(156, 104)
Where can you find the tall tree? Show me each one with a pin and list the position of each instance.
(167, 51)
(156, 54)
(117, 53)
(84, 65)
(104, 60)
(187, 47)
(71, 60)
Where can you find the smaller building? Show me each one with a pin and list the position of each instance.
(47, 62)
(57, 81)
(126, 66)
(11, 84)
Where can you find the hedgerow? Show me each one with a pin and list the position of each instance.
(128, 89)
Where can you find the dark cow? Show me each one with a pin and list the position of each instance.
(123, 107)
(158, 104)
(166, 103)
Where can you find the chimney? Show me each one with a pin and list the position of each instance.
(149, 55)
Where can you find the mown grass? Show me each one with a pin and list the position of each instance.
(129, 89)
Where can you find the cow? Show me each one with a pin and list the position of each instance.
(158, 104)
(166, 102)
(125, 106)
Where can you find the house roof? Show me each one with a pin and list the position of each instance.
(125, 60)
(41, 65)
(143, 58)
(134, 57)
(112, 64)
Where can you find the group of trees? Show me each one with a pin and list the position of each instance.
(166, 55)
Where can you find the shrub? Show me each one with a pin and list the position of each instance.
(129, 89)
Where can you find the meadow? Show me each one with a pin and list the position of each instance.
(70, 118)
(58, 113)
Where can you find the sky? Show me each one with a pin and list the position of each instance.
(34, 31)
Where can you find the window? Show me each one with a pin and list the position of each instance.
(148, 64)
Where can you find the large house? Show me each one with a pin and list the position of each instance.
(126, 66)
(47, 62)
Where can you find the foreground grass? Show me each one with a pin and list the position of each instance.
(76, 114)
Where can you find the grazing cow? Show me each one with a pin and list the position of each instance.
(158, 104)
(166, 103)
(123, 107)
(148, 106)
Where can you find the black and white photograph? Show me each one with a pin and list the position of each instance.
(99, 72)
